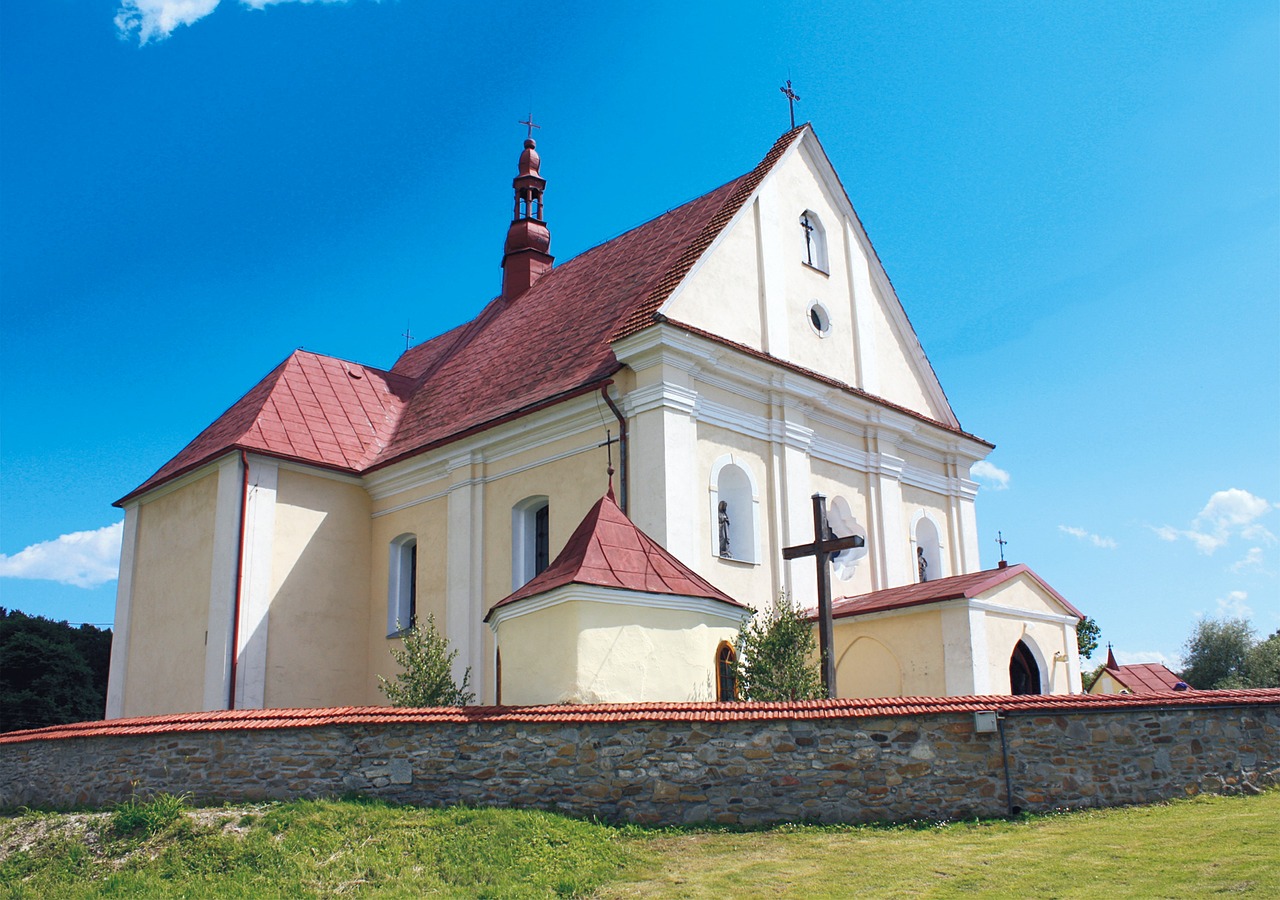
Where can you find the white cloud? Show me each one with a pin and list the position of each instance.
(157, 19)
(83, 558)
(1228, 514)
(1233, 606)
(1105, 543)
(992, 476)
(1251, 560)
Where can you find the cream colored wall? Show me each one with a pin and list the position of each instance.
(1045, 639)
(1105, 684)
(170, 604)
(317, 640)
(723, 293)
(429, 521)
(834, 481)
(588, 652)
(899, 655)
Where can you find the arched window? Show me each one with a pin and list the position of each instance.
(928, 549)
(815, 240)
(530, 539)
(735, 511)
(402, 584)
(842, 523)
(1024, 672)
(726, 672)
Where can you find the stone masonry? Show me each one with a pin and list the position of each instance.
(769, 768)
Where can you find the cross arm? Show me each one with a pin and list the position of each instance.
(834, 545)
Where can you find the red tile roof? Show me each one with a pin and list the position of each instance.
(548, 344)
(1142, 678)
(608, 550)
(268, 719)
(311, 408)
(955, 587)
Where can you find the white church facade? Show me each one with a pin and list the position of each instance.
(742, 352)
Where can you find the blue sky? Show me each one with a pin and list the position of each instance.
(1079, 205)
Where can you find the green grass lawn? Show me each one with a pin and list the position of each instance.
(1193, 848)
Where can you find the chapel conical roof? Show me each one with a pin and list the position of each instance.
(608, 550)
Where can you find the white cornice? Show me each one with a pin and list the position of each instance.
(571, 417)
(986, 606)
(179, 483)
(589, 593)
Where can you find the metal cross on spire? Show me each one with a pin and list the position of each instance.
(532, 124)
(792, 99)
(824, 546)
(609, 441)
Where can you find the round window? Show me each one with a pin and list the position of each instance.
(819, 319)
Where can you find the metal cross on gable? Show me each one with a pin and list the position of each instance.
(1001, 541)
(824, 546)
(792, 99)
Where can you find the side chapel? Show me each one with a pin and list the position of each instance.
(732, 357)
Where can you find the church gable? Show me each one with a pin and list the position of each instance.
(793, 275)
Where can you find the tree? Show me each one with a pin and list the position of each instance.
(1087, 635)
(777, 659)
(1088, 678)
(50, 673)
(1262, 663)
(1214, 656)
(426, 678)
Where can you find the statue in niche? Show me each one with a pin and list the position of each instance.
(922, 564)
(724, 530)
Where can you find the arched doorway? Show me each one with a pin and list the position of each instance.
(1024, 673)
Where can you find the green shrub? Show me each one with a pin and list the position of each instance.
(147, 816)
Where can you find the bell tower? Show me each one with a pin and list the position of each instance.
(525, 258)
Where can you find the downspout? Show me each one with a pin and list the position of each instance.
(1004, 755)
(622, 445)
(235, 606)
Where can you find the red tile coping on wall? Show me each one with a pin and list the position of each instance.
(623, 713)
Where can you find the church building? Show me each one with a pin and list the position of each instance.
(730, 358)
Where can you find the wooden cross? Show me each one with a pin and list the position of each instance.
(529, 121)
(792, 99)
(1001, 541)
(824, 545)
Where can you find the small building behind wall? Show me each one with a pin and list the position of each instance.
(999, 631)
(615, 618)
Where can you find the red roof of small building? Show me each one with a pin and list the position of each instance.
(955, 587)
(802, 710)
(608, 550)
(546, 345)
(1142, 678)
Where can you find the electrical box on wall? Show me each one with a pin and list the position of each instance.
(984, 721)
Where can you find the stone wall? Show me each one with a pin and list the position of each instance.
(766, 765)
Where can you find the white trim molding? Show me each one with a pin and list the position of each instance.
(116, 679)
(590, 593)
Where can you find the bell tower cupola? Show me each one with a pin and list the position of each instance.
(525, 258)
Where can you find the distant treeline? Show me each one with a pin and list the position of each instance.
(50, 672)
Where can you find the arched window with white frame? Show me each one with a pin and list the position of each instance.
(402, 584)
(927, 548)
(735, 511)
(530, 539)
(815, 241)
(843, 523)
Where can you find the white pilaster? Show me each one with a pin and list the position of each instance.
(124, 611)
(970, 555)
(464, 582)
(222, 585)
(771, 245)
(863, 297)
(255, 583)
(890, 535)
(792, 438)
